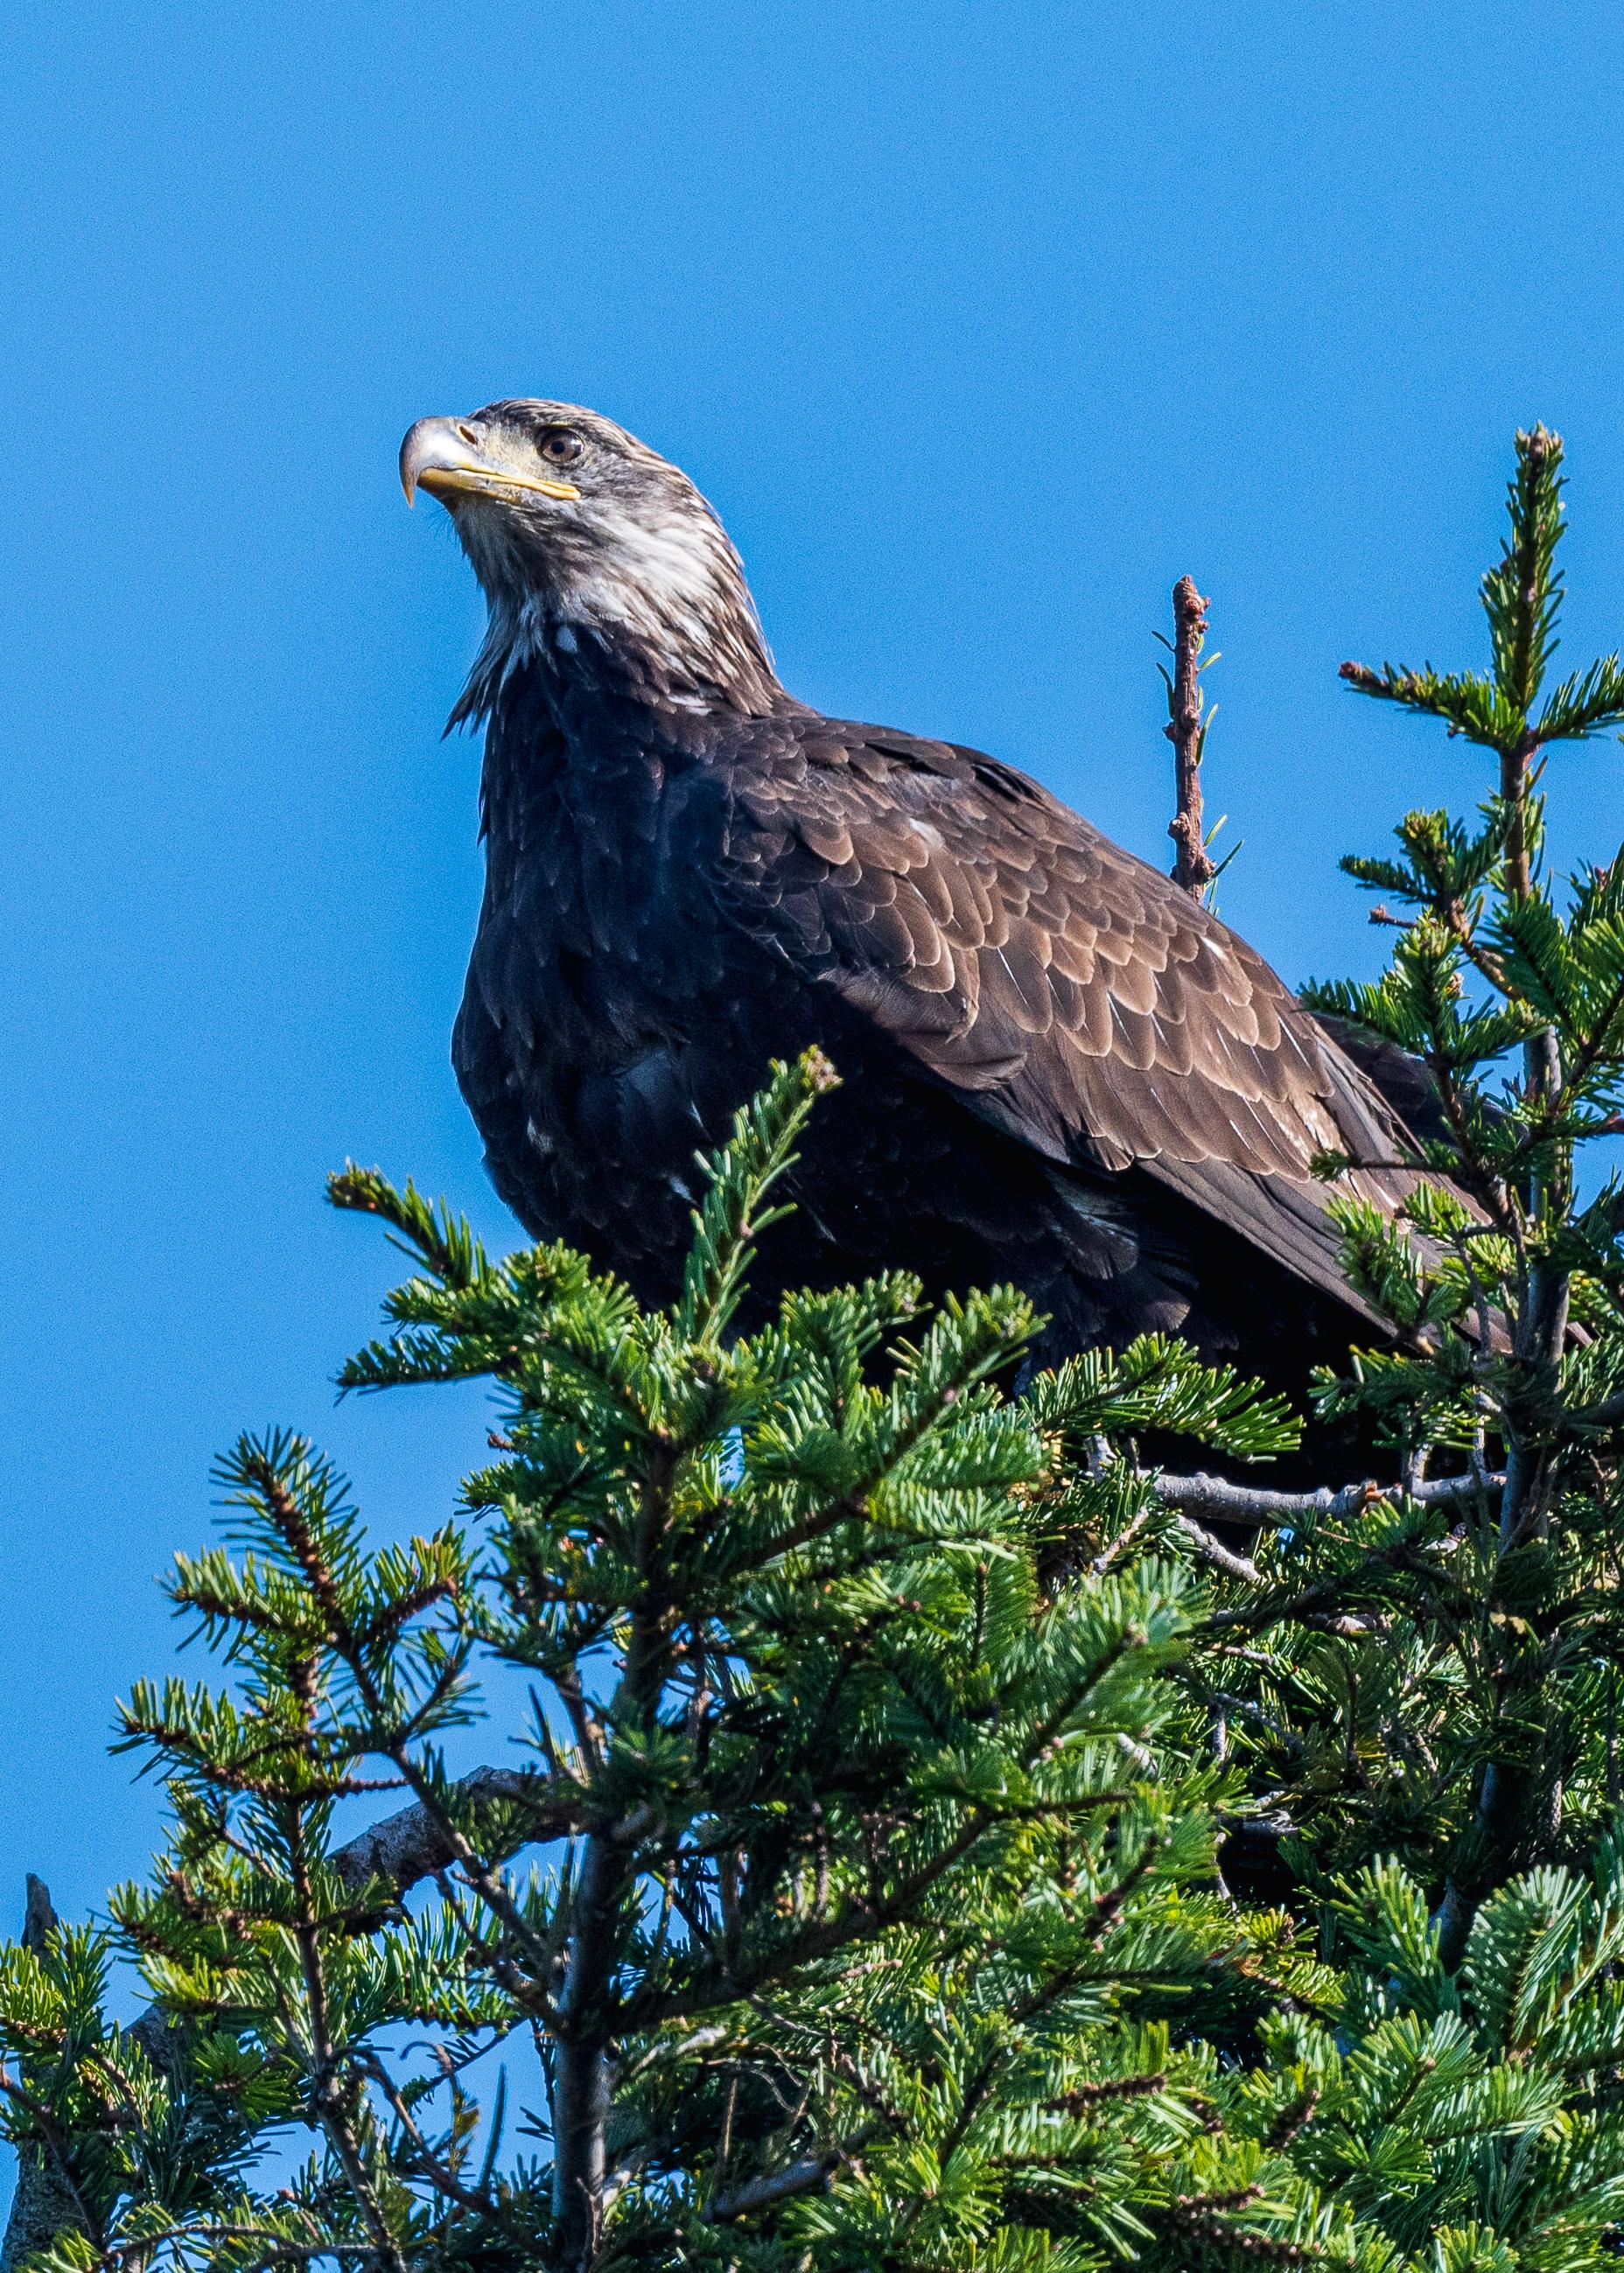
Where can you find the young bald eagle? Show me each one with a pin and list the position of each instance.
(1058, 1070)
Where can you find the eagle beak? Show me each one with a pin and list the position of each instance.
(447, 456)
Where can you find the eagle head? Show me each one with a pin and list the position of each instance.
(598, 559)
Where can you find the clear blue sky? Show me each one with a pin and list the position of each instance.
(978, 323)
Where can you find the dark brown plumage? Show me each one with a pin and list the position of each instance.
(1057, 1068)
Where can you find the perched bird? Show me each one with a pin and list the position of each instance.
(1058, 1070)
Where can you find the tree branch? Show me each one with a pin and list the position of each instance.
(1222, 1559)
(404, 1848)
(413, 1844)
(1232, 1502)
(806, 2177)
(582, 2078)
(1193, 867)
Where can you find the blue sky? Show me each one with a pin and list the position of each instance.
(978, 323)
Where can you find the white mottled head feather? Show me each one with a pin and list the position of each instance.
(630, 578)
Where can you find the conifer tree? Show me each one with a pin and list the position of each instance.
(1443, 1663)
(851, 1899)
(873, 1882)
(867, 1904)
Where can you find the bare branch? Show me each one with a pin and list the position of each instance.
(808, 2176)
(1192, 866)
(413, 1844)
(1232, 1502)
(1222, 1559)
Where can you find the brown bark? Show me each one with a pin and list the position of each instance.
(1193, 868)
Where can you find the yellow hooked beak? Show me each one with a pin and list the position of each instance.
(450, 456)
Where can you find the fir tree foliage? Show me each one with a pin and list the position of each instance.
(852, 1899)
(1462, 1662)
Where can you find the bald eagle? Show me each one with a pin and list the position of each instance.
(1059, 1071)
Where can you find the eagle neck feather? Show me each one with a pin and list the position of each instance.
(670, 628)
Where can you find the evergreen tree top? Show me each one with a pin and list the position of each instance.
(939, 1836)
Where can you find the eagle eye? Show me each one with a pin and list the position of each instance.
(562, 445)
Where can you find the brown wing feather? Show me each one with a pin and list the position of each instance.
(1070, 993)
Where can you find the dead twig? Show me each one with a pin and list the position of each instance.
(1193, 867)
